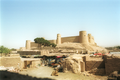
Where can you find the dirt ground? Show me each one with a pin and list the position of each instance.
(45, 72)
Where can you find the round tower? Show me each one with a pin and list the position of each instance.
(90, 40)
(58, 39)
(28, 46)
(93, 42)
(83, 38)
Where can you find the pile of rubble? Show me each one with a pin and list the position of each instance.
(97, 71)
(114, 76)
(10, 69)
(73, 63)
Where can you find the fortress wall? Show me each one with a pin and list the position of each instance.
(52, 41)
(34, 45)
(70, 39)
(90, 38)
(83, 37)
(93, 42)
(28, 44)
(58, 41)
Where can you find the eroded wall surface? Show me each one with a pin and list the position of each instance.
(34, 45)
(29, 52)
(112, 63)
(70, 39)
(52, 41)
(94, 64)
(10, 61)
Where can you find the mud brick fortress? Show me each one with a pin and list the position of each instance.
(83, 38)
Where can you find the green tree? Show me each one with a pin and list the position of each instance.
(13, 49)
(42, 41)
(46, 43)
(118, 47)
(4, 50)
(53, 45)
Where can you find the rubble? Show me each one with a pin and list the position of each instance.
(72, 63)
(10, 69)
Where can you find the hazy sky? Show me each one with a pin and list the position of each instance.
(23, 20)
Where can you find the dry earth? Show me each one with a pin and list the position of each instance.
(45, 72)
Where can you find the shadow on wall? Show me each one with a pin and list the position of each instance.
(5, 75)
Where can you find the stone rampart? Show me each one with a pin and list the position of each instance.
(82, 38)
(34, 45)
(70, 39)
(52, 41)
(28, 44)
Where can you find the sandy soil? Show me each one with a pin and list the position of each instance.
(45, 72)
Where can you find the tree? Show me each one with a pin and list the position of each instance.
(13, 49)
(118, 47)
(46, 43)
(4, 50)
(53, 45)
(42, 41)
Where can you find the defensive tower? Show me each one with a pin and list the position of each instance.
(58, 39)
(90, 38)
(83, 38)
(28, 42)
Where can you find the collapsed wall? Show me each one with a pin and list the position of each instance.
(79, 63)
(74, 63)
(10, 61)
(15, 61)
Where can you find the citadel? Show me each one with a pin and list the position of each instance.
(82, 42)
(73, 53)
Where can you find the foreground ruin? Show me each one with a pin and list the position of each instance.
(76, 63)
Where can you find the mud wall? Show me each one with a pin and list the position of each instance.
(10, 61)
(52, 41)
(94, 64)
(70, 39)
(34, 45)
(29, 52)
(112, 63)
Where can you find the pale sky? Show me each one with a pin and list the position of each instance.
(23, 20)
